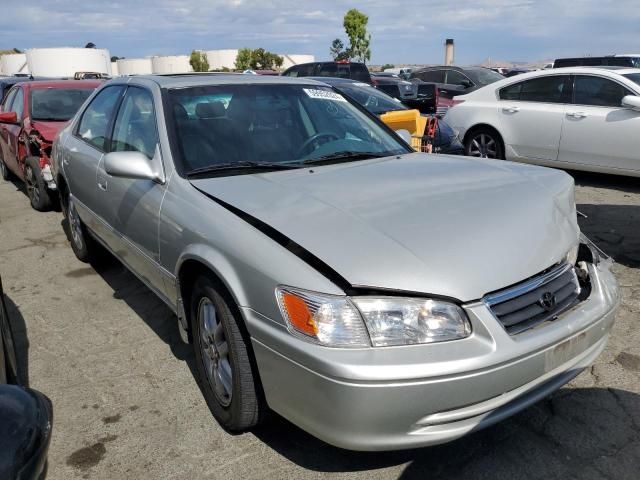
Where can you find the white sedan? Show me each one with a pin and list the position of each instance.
(582, 118)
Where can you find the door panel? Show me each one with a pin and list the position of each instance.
(531, 115)
(132, 207)
(84, 151)
(597, 130)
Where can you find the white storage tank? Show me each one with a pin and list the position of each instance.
(219, 59)
(291, 59)
(65, 62)
(134, 66)
(13, 63)
(171, 64)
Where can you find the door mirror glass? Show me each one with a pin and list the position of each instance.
(9, 117)
(631, 101)
(466, 83)
(133, 165)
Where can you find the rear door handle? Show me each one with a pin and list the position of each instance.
(511, 109)
(576, 114)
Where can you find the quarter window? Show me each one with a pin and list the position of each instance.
(94, 124)
(548, 89)
(598, 91)
(135, 126)
(6, 105)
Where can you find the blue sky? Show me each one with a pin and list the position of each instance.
(408, 31)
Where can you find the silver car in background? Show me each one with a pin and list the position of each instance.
(377, 298)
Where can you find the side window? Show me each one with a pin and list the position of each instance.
(135, 126)
(95, 119)
(6, 105)
(549, 89)
(292, 72)
(435, 76)
(18, 104)
(511, 92)
(598, 91)
(456, 78)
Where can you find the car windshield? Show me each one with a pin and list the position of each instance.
(483, 76)
(634, 77)
(224, 125)
(57, 104)
(370, 98)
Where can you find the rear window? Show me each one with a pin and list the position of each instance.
(483, 76)
(360, 72)
(57, 104)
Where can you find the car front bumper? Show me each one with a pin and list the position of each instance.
(413, 396)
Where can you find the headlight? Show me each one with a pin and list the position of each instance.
(340, 321)
(409, 321)
(326, 319)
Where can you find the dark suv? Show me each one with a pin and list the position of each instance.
(631, 61)
(454, 81)
(353, 70)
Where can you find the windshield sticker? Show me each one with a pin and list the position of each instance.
(324, 94)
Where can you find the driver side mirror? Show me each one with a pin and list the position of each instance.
(404, 135)
(8, 117)
(134, 165)
(632, 102)
(466, 84)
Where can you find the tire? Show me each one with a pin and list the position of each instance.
(37, 190)
(484, 143)
(82, 244)
(227, 378)
(5, 173)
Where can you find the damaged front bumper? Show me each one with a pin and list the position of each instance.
(412, 396)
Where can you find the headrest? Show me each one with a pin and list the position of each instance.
(210, 110)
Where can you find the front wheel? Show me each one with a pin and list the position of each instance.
(36, 187)
(5, 173)
(484, 143)
(227, 378)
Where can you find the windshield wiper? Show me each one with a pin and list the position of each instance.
(245, 167)
(345, 156)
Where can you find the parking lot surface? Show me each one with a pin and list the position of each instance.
(126, 404)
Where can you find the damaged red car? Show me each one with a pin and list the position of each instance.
(31, 116)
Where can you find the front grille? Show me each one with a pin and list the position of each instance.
(537, 300)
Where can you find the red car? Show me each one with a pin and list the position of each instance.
(31, 115)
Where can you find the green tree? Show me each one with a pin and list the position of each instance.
(355, 24)
(199, 61)
(337, 49)
(258, 59)
(243, 59)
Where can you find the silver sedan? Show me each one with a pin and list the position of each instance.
(376, 297)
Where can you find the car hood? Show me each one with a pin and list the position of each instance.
(48, 130)
(441, 225)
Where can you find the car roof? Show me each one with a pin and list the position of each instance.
(206, 79)
(40, 84)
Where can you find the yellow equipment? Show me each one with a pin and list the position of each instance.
(409, 120)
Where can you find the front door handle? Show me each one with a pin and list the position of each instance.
(102, 184)
(576, 114)
(511, 109)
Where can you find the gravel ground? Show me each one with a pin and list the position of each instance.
(126, 404)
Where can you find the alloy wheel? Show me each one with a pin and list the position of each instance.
(215, 352)
(75, 226)
(483, 145)
(32, 185)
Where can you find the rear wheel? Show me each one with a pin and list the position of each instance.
(227, 378)
(83, 245)
(36, 187)
(484, 143)
(5, 173)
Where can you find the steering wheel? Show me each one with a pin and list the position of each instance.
(316, 138)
